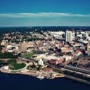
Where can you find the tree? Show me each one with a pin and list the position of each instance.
(6, 55)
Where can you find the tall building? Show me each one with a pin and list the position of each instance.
(88, 48)
(70, 35)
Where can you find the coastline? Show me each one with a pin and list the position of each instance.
(62, 76)
(36, 74)
(41, 75)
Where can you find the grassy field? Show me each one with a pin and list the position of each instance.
(28, 55)
(15, 66)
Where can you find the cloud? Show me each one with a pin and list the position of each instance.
(42, 14)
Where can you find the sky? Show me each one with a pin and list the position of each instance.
(44, 13)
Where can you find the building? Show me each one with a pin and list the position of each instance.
(88, 48)
(40, 62)
(25, 45)
(56, 61)
(70, 36)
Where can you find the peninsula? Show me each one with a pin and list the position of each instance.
(46, 54)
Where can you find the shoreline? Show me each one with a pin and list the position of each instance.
(66, 76)
(38, 74)
(40, 77)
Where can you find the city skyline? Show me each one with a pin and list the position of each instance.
(44, 13)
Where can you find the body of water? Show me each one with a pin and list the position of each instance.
(23, 82)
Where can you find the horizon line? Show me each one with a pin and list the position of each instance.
(48, 26)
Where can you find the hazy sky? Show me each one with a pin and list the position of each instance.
(44, 12)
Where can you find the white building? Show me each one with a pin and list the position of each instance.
(70, 36)
(11, 48)
(40, 62)
(6, 67)
(67, 57)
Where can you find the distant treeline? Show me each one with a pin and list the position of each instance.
(44, 28)
(40, 28)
